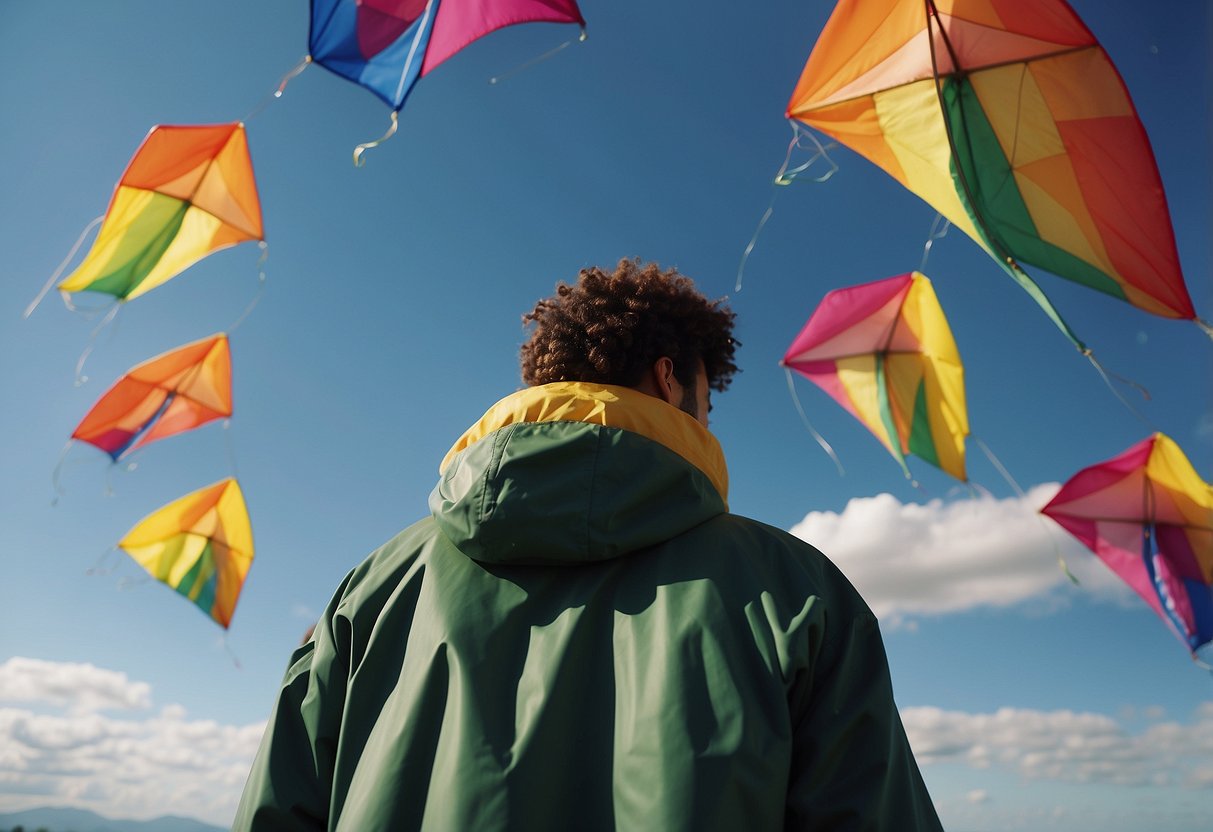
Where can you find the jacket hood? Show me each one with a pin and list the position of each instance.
(571, 473)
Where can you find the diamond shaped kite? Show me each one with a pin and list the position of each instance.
(201, 545)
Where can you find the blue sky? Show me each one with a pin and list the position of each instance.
(391, 320)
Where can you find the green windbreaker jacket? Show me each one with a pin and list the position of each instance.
(581, 637)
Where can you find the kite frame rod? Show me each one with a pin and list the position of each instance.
(1004, 257)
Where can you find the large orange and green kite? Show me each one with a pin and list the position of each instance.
(1010, 120)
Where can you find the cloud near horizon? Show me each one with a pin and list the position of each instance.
(935, 558)
(148, 762)
(142, 764)
(1067, 746)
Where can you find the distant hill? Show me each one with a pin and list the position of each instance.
(82, 820)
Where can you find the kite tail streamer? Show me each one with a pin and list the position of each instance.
(297, 70)
(261, 280)
(59, 492)
(937, 232)
(1108, 381)
(1205, 326)
(365, 146)
(538, 59)
(825, 446)
(745, 255)
(81, 378)
(1019, 492)
(787, 177)
(782, 178)
(29, 310)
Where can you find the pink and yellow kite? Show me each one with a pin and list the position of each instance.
(1148, 515)
(884, 351)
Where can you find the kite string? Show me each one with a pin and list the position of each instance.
(1104, 374)
(99, 567)
(538, 59)
(261, 281)
(297, 70)
(937, 232)
(1206, 648)
(81, 378)
(365, 146)
(825, 446)
(231, 451)
(1205, 326)
(1023, 497)
(29, 310)
(230, 653)
(786, 177)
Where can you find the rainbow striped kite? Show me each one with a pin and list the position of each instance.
(201, 545)
(188, 191)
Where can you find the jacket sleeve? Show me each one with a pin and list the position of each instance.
(291, 782)
(852, 767)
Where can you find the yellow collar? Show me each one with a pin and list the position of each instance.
(611, 406)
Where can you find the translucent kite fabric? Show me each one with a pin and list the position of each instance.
(171, 393)
(200, 545)
(885, 352)
(188, 191)
(1148, 515)
(386, 45)
(1008, 118)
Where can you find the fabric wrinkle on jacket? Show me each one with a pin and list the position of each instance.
(581, 636)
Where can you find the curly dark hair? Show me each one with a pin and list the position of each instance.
(611, 328)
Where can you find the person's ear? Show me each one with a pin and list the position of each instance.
(668, 389)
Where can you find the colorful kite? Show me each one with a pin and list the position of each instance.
(172, 393)
(188, 191)
(884, 351)
(385, 45)
(1148, 515)
(201, 545)
(1009, 119)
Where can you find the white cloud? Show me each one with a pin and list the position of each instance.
(80, 688)
(1204, 426)
(944, 557)
(148, 765)
(1067, 746)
